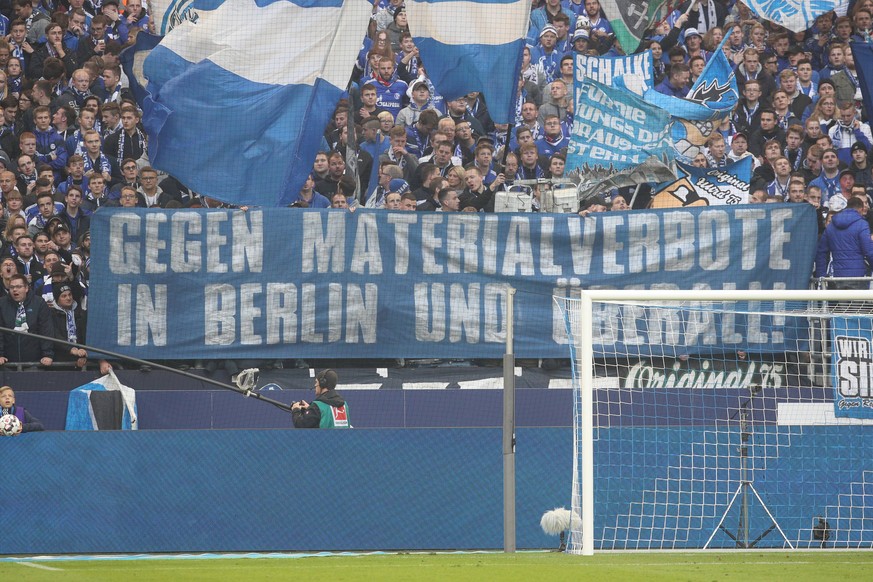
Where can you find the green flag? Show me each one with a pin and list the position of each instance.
(631, 18)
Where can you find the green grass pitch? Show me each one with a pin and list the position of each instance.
(771, 566)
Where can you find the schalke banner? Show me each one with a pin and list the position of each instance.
(706, 186)
(852, 340)
(290, 283)
(635, 72)
(617, 139)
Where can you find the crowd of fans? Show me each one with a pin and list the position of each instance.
(71, 139)
(800, 117)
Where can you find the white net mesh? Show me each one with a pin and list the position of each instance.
(715, 424)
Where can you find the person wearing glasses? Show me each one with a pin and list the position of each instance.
(129, 177)
(152, 194)
(23, 312)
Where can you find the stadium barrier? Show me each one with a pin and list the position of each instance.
(285, 490)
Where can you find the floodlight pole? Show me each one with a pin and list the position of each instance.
(509, 429)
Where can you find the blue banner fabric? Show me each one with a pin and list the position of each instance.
(264, 101)
(293, 283)
(711, 99)
(617, 138)
(635, 72)
(852, 340)
(862, 52)
(472, 45)
(132, 59)
(795, 15)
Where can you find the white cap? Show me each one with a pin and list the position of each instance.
(837, 203)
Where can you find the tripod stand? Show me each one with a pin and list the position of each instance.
(741, 538)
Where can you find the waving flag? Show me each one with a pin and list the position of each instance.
(706, 186)
(711, 99)
(165, 15)
(236, 112)
(472, 45)
(631, 18)
(633, 72)
(795, 15)
(132, 59)
(617, 139)
(862, 52)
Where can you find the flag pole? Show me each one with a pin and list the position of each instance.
(352, 148)
(690, 7)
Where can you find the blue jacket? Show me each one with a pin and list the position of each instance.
(846, 242)
(667, 89)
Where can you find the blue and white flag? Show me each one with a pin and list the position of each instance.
(132, 59)
(706, 186)
(795, 15)
(633, 72)
(862, 52)
(102, 404)
(617, 139)
(238, 114)
(472, 45)
(165, 15)
(711, 99)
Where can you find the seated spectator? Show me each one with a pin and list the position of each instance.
(29, 423)
(153, 195)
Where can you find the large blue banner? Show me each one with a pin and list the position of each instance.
(292, 283)
(852, 340)
(617, 139)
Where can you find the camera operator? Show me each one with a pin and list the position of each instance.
(328, 410)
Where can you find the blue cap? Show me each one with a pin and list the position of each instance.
(399, 186)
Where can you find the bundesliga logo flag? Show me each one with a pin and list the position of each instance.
(706, 186)
(443, 31)
(795, 15)
(617, 139)
(238, 114)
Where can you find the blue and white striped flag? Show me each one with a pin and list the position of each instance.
(240, 96)
(472, 45)
(795, 15)
(167, 14)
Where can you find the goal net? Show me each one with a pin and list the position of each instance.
(721, 419)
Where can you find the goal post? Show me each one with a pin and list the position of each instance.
(685, 407)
